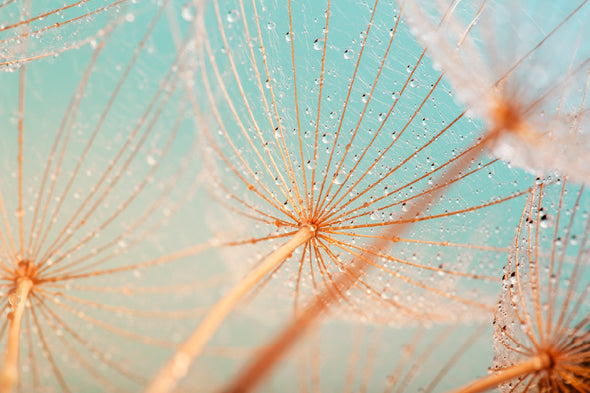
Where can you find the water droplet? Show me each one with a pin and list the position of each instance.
(14, 67)
(374, 215)
(513, 280)
(14, 300)
(327, 138)
(187, 12)
(288, 37)
(348, 54)
(232, 16)
(365, 97)
(130, 17)
(271, 25)
(339, 177)
(181, 363)
(318, 44)
(152, 157)
(546, 221)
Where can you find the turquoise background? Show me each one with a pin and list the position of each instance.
(195, 198)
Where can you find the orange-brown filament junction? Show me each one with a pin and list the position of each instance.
(26, 270)
(25, 276)
(548, 359)
(312, 226)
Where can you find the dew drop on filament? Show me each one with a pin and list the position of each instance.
(318, 44)
(546, 221)
(14, 300)
(187, 12)
(339, 177)
(232, 16)
(327, 138)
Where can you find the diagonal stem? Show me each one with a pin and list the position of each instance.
(530, 366)
(177, 366)
(9, 371)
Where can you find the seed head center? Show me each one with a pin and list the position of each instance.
(508, 117)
